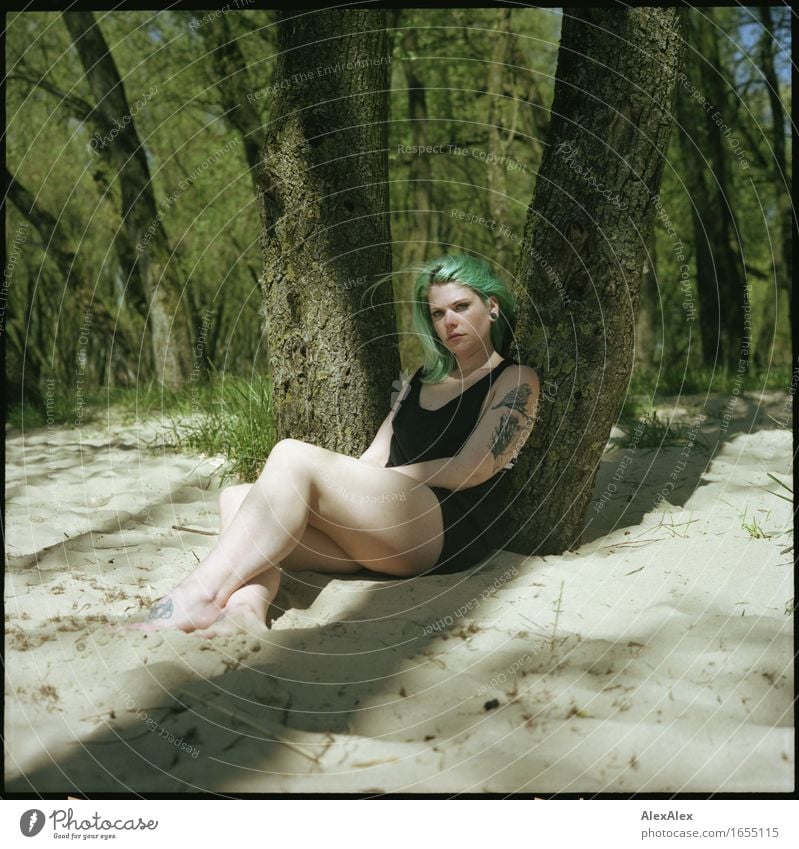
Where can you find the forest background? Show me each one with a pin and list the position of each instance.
(470, 101)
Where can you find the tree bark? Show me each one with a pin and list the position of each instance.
(423, 227)
(648, 304)
(234, 88)
(583, 255)
(783, 256)
(323, 193)
(141, 218)
(115, 335)
(702, 109)
(495, 171)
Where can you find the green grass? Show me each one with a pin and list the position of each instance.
(753, 528)
(58, 409)
(231, 416)
(676, 380)
(236, 421)
(645, 429)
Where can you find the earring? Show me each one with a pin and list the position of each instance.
(493, 316)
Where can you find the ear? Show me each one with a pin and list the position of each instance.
(493, 303)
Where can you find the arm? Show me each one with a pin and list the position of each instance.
(377, 453)
(498, 438)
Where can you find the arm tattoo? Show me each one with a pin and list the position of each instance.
(160, 610)
(516, 400)
(507, 429)
(510, 434)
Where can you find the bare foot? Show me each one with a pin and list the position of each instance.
(236, 620)
(187, 608)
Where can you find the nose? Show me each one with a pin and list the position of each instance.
(450, 319)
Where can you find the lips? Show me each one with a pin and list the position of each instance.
(454, 336)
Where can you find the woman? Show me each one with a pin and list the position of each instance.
(424, 497)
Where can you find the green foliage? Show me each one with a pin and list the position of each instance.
(645, 429)
(237, 422)
(476, 84)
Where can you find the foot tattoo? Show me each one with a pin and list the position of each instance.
(160, 610)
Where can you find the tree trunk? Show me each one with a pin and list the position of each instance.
(233, 85)
(495, 171)
(583, 255)
(141, 218)
(783, 255)
(646, 316)
(423, 227)
(702, 110)
(326, 235)
(78, 303)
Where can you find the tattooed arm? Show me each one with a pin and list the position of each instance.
(497, 439)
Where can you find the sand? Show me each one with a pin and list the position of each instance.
(656, 658)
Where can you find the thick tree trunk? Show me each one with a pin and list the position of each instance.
(583, 255)
(325, 215)
(141, 218)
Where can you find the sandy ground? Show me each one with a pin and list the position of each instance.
(658, 657)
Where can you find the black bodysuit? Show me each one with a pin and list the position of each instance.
(469, 515)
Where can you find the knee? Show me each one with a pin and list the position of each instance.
(291, 450)
(232, 496)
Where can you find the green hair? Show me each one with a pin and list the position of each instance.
(468, 271)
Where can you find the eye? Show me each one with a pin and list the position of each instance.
(462, 306)
(436, 314)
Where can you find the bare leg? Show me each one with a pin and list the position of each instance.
(380, 517)
(246, 610)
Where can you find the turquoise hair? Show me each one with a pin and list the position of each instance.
(468, 271)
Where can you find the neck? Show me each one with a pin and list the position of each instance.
(469, 363)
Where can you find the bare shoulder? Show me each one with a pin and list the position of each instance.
(520, 378)
(516, 390)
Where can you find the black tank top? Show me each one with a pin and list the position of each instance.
(421, 434)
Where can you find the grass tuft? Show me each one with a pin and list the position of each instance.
(237, 422)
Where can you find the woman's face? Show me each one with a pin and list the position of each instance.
(461, 319)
